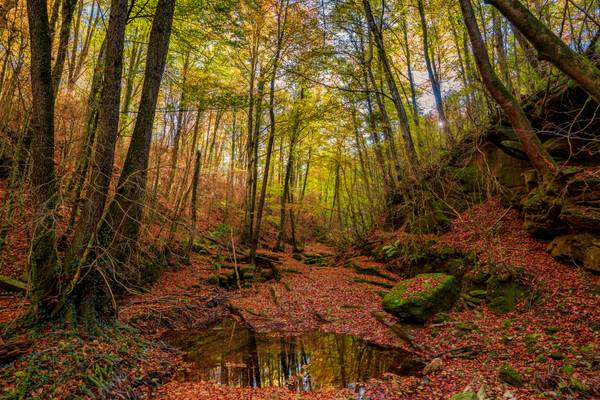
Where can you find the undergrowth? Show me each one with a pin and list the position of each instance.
(109, 362)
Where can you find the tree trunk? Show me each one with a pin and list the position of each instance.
(409, 71)
(536, 153)
(178, 128)
(94, 293)
(125, 212)
(433, 78)
(91, 123)
(68, 11)
(550, 47)
(393, 88)
(43, 256)
(281, 22)
(501, 50)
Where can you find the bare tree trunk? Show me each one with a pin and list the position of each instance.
(539, 157)
(501, 50)
(77, 181)
(179, 127)
(550, 47)
(78, 66)
(409, 71)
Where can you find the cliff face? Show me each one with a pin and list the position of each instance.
(565, 211)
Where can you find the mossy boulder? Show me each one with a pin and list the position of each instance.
(580, 249)
(416, 299)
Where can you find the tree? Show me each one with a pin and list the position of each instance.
(539, 157)
(43, 255)
(96, 297)
(435, 84)
(393, 88)
(68, 11)
(125, 211)
(282, 10)
(550, 47)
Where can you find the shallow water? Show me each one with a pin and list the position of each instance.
(231, 354)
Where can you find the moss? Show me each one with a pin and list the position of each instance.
(540, 359)
(503, 293)
(510, 375)
(551, 330)
(418, 298)
(568, 369)
(531, 340)
(478, 293)
(587, 348)
(579, 386)
(465, 396)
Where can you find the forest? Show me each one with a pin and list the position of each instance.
(300, 199)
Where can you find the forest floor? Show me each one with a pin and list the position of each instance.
(553, 342)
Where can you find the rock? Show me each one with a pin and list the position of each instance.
(510, 375)
(581, 249)
(435, 365)
(480, 294)
(465, 396)
(418, 298)
(541, 209)
(503, 293)
(557, 355)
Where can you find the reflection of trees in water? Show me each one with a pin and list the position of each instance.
(236, 356)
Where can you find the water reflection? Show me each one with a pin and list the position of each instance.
(234, 355)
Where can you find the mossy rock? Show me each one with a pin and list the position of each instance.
(416, 299)
(431, 219)
(426, 257)
(579, 249)
(580, 217)
(541, 209)
(503, 293)
(465, 396)
(510, 375)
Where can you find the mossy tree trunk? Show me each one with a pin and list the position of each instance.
(550, 47)
(92, 293)
(43, 256)
(538, 156)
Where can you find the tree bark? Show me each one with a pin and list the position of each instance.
(43, 256)
(550, 47)
(433, 79)
(68, 11)
(125, 211)
(281, 22)
(94, 296)
(393, 88)
(538, 156)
